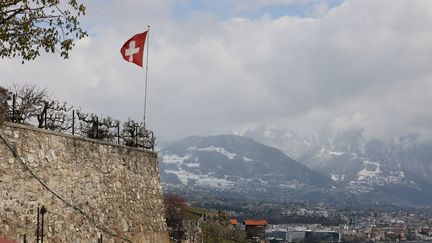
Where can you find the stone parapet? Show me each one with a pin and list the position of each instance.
(117, 186)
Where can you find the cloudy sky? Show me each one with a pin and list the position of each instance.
(217, 65)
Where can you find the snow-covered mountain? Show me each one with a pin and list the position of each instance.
(344, 169)
(401, 167)
(235, 165)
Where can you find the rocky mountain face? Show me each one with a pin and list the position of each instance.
(236, 166)
(400, 168)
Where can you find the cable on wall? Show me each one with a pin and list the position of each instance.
(69, 204)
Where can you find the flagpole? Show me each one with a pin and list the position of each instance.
(146, 74)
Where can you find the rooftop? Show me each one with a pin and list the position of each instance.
(255, 222)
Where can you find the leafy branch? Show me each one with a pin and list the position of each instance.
(29, 26)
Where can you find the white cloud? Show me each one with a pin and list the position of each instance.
(364, 63)
(242, 6)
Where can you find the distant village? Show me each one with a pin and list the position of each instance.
(366, 229)
(360, 225)
(355, 225)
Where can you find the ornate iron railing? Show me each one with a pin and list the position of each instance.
(60, 117)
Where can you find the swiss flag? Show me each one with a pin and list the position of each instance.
(133, 49)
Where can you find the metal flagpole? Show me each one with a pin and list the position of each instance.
(146, 74)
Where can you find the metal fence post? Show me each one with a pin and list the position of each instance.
(13, 107)
(136, 135)
(118, 132)
(73, 122)
(152, 141)
(45, 113)
(97, 127)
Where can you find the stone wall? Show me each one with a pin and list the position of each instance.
(118, 186)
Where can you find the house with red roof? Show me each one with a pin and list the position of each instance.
(255, 229)
(234, 223)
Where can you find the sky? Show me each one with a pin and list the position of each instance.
(219, 65)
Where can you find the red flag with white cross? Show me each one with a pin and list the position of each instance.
(133, 49)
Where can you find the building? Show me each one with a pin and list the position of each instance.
(234, 223)
(277, 236)
(255, 229)
(322, 236)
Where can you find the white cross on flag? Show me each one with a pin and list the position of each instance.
(133, 49)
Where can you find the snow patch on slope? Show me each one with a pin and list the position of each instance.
(323, 153)
(200, 180)
(215, 149)
(192, 165)
(175, 159)
(366, 174)
(337, 177)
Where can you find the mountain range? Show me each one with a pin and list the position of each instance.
(280, 165)
(401, 166)
(235, 165)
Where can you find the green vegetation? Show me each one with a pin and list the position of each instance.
(27, 26)
(196, 224)
(217, 233)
